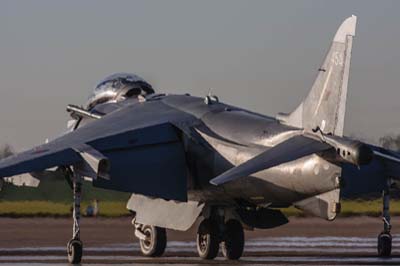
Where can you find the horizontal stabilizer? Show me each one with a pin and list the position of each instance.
(388, 156)
(390, 159)
(289, 150)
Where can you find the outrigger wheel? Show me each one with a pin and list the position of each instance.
(74, 251)
(74, 246)
(208, 239)
(155, 242)
(384, 244)
(385, 238)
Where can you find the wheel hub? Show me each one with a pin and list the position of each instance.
(147, 241)
(203, 242)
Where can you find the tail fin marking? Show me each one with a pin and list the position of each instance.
(325, 105)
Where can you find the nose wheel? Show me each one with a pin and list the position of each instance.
(152, 239)
(154, 242)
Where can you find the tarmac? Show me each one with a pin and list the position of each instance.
(304, 241)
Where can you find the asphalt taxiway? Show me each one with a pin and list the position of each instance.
(304, 241)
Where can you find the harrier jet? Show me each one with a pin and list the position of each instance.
(185, 158)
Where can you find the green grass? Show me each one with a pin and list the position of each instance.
(370, 207)
(355, 208)
(56, 190)
(118, 208)
(54, 198)
(57, 209)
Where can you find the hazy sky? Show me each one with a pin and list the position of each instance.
(261, 55)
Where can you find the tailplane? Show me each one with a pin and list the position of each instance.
(325, 105)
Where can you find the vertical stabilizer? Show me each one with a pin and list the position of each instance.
(325, 105)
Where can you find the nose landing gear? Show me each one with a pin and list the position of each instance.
(152, 239)
(155, 242)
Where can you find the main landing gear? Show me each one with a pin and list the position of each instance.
(74, 246)
(385, 238)
(153, 239)
(212, 232)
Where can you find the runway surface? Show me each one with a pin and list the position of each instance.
(347, 241)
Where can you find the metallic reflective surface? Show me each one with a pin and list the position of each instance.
(117, 87)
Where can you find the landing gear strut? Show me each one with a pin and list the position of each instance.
(74, 246)
(385, 238)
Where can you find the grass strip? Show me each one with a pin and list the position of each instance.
(38, 208)
(57, 209)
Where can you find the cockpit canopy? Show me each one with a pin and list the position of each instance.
(118, 87)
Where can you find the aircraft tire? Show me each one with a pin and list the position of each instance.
(74, 251)
(155, 243)
(233, 244)
(207, 240)
(384, 244)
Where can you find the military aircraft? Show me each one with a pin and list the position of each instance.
(185, 158)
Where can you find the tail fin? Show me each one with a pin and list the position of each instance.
(324, 107)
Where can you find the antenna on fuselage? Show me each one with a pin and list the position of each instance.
(211, 98)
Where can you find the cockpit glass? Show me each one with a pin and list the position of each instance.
(120, 83)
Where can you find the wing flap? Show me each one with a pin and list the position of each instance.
(289, 150)
(61, 151)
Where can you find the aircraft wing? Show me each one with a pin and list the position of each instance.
(38, 159)
(119, 138)
(289, 150)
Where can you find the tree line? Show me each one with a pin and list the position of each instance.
(391, 142)
(5, 151)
